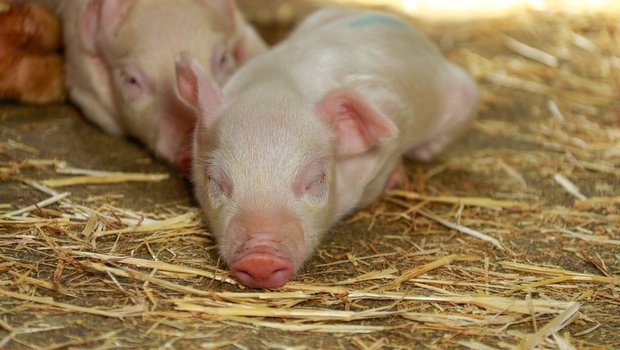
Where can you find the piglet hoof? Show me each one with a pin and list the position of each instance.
(262, 270)
(396, 178)
(427, 150)
(184, 163)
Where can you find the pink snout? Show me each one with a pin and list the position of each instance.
(262, 267)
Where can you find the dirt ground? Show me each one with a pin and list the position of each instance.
(538, 173)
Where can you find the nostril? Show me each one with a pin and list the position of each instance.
(280, 271)
(242, 274)
(262, 270)
(282, 274)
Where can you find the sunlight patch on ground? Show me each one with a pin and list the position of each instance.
(485, 8)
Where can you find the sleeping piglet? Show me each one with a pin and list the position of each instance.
(309, 131)
(120, 62)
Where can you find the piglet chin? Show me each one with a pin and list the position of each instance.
(262, 265)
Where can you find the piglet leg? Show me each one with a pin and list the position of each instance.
(461, 95)
(397, 177)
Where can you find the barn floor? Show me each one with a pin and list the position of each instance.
(122, 260)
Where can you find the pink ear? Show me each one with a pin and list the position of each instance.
(89, 23)
(100, 14)
(196, 90)
(357, 124)
(226, 11)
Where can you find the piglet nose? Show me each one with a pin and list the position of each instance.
(262, 270)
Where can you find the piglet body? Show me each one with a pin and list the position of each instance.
(120, 62)
(313, 129)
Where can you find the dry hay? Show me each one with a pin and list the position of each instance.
(511, 241)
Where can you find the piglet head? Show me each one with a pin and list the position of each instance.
(263, 178)
(268, 206)
(136, 42)
(264, 171)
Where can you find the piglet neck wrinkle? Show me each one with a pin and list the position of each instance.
(276, 229)
(352, 175)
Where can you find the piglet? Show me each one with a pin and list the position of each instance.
(120, 62)
(313, 129)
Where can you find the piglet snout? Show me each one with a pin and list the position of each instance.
(262, 267)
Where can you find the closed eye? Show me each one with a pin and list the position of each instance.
(223, 60)
(314, 186)
(134, 83)
(215, 186)
(311, 182)
(219, 184)
(128, 78)
(222, 63)
(131, 80)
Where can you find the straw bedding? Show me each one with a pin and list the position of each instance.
(509, 240)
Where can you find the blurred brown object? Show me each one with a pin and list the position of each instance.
(31, 69)
(276, 18)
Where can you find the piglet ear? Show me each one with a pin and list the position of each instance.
(225, 9)
(196, 89)
(358, 125)
(97, 15)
